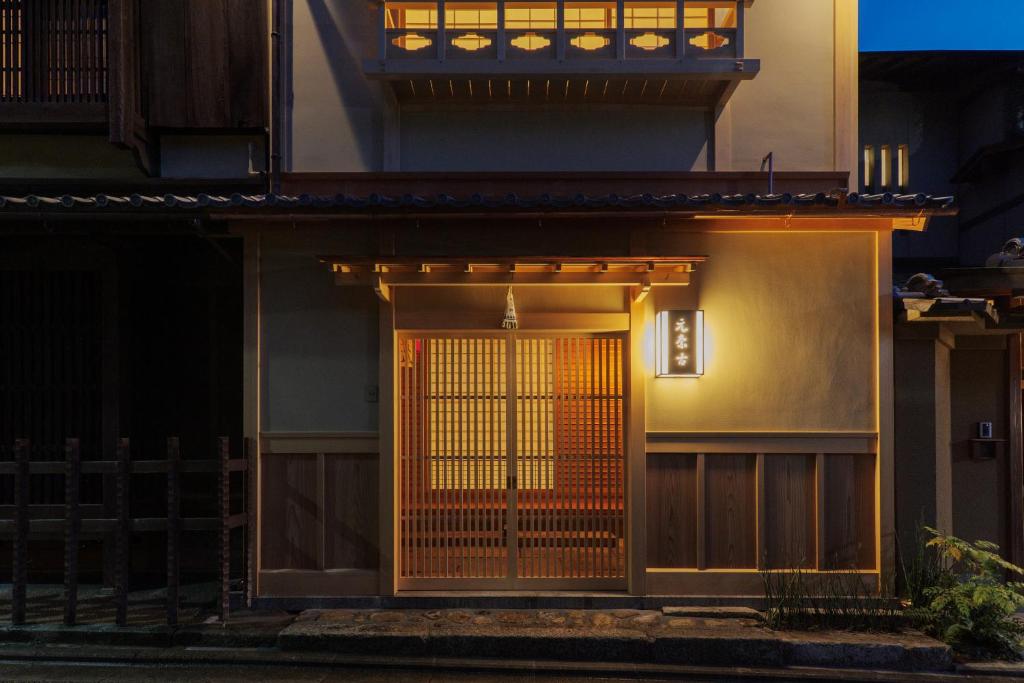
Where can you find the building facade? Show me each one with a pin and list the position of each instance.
(536, 295)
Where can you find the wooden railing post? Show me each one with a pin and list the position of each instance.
(442, 36)
(72, 528)
(173, 527)
(501, 30)
(620, 30)
(124, 531)
(382, 27)
(224, 447)
(680, 29)
(19, 569)
(560, 31)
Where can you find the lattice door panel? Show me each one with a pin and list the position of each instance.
(537, 417)
(569, 436)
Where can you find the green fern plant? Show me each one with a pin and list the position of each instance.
(971, 606)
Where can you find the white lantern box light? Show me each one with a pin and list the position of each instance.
(680, 343)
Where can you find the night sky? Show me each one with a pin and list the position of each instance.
(941, 25)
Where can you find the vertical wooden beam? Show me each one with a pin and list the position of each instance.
(21, 531)
(252, 362)
(442, 35)
(740, 29)
(819, 511)
(501, 31)
(636, 451)
(759, 493)
(885, 464)
(1016, 452)
(224, 493)
(124, 532)
(560, 31)
(387, 419)
(702, 512)
(382, 30)
(620, 30)
(943, 436)
(173, 527)
(72, 528)
(680, 29)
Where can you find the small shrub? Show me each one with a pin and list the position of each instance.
(797, 599)
(971, 606)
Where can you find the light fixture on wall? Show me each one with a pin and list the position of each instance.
(680, 344)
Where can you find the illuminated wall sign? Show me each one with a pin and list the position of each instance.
(680, 342)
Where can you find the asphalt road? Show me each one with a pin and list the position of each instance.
(110, 673)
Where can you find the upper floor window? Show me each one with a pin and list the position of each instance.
(710, 15)
(531, 15)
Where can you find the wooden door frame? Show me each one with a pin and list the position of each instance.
(632, 435)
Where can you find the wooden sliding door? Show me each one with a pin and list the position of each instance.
(511, 462)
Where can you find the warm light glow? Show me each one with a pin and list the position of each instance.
(530, 41)
(412, 42)
(590, 15)
(886, 164)
(903, 166)
(710, 15)
(649, 15)
(590, 41)
(471, 42)
(679, 348)
(531, 15)
(709, 40)
(649, 41)
(869, 166)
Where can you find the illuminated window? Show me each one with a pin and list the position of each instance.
(659, 15)
(594, 15)
(463, 15)
(415, 15)
(869, 166)
(885, 161)
(710, 15)
(531, 15)
(903, 166)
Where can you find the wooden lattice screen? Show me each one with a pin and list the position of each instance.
(53, 51)
(540, 417)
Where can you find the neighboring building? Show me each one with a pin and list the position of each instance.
(522, 308)
(954, 123)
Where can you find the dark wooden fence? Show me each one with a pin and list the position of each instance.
(79, 519)
(53, 51)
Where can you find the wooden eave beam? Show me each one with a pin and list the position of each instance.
(455, 278)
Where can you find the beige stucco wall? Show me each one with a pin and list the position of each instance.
(789, 108)
(790, 322)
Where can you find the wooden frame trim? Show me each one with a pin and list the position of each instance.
(743, 582)
(567, 322)
(762, 442)
(636, 450)
(388, 488)
(305, 583)
(252, 363)
(1016, 451)
(885, 487)
(846, 93)
(273, 443)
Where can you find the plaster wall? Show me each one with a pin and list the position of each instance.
(789, 107)
(319, 340)
(789, 329)
(65, 156)
(978, 389)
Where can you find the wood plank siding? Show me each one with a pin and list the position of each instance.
(205, 63)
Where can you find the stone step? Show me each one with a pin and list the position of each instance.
(700, 612)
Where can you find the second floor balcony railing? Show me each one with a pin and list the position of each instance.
(53, 61)
(560, 31)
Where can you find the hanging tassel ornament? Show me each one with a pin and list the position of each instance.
(510, 322)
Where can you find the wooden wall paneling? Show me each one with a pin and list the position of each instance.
(760, 553)
(819, 511)
(388, 483)
(1016, 451)
(849, 512)
(164, 69)
(291, 525)
(350, 511)
(208, 31)
(702, 511)
(672, 510)
(247, 63)
(789, 511)
(731, 517)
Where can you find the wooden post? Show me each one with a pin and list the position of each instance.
(1016, 452)
(72, 527)
(560, 31)
(248, 506)
(382, 38)
(442, 37)
(620, 30)
(680, 29)
(224, 447)
(173, 527)
(740, 22)
(501, 30)
(124, 531)
(21, 529)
